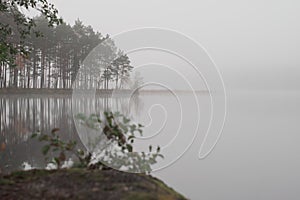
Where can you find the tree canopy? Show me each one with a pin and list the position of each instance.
(45, 52)
(15, 27)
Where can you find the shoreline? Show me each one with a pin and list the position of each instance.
(99, 92)
(58, 92)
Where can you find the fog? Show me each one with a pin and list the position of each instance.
(254, 43)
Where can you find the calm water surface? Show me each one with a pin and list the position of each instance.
(256, 158)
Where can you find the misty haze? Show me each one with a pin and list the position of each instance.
(149, 100)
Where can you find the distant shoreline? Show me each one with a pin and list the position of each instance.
(68, 92)
(56, 92)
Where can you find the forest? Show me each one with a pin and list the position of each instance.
(54, 54)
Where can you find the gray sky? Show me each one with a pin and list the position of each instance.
(254, 42)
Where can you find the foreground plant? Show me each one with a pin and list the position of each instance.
(118, 152)
(60, 148)
(120, 134)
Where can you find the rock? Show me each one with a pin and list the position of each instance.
(83, 184)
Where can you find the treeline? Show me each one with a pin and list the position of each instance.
(58, 53)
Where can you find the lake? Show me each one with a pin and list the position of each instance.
(257, 156)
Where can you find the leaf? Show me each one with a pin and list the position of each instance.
(57, 162)
(140, 131)
(129, 147)
(152, 161)
(117, 114)
(45, 149)
(160, 155)
(125, 120)
(54, 130)
(81, 116)
(132, 127)
(93, 115)
(34, 135)
(158, 149)
(131, 137)
(43, 138)
(80, 152)
(55, 149)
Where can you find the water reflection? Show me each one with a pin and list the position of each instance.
(21, 116)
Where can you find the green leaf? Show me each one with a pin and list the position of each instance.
(158, 149)
(132, 127)
(43, 138)
(140, 131)
(55, 149)
(160, 155)
(45, 149)
(57, 162)
(80, 152)
(129, 147)
(34, 135)
(81, 116)
(131, 137)
(125, 120)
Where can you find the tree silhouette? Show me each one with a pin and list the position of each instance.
(54, 59)
(15, 26)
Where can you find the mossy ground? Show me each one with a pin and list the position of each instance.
(83, 184)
